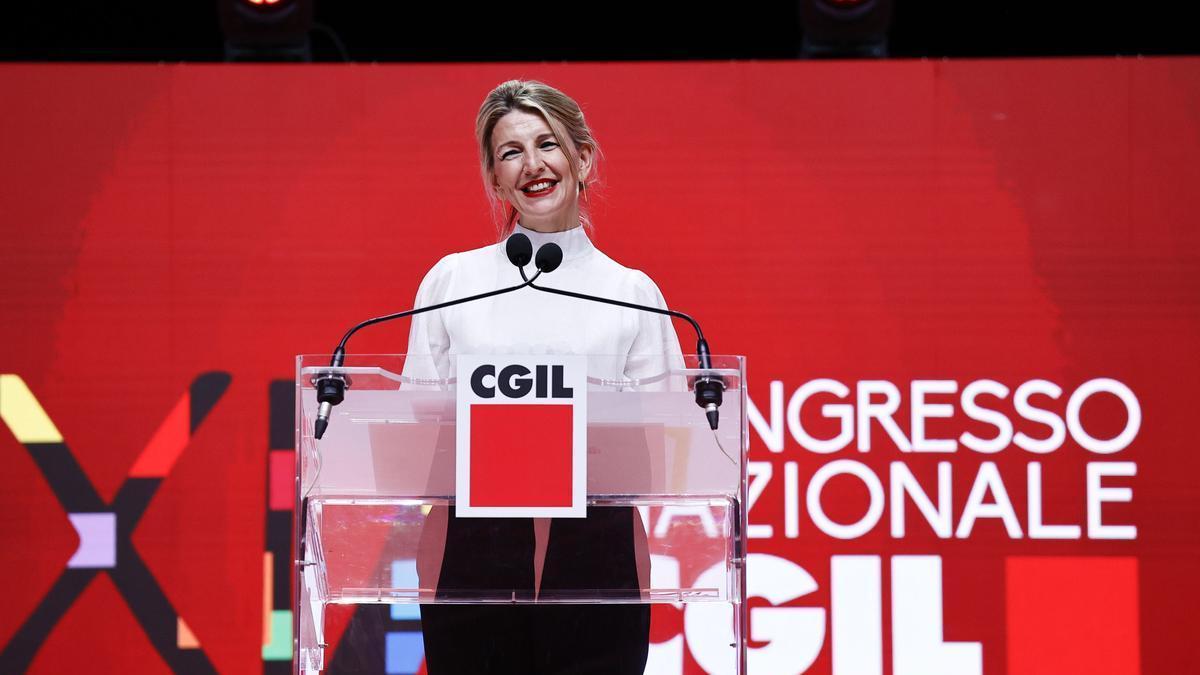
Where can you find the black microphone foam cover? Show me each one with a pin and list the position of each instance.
(519, 249)
(549, 257)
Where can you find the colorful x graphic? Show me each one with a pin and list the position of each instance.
(105, 530)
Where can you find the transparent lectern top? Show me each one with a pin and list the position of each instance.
(394, 434)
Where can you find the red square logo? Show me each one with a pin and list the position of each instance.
(1072, 615)
(521, 455)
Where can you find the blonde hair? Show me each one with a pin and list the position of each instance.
(566, 122)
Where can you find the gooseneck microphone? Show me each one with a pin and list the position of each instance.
(331, 386)
(709, 388)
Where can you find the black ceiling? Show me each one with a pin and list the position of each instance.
(393, 30)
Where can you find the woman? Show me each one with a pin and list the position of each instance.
(537, 158)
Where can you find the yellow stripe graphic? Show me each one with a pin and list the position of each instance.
(268, 593)
(23, 414)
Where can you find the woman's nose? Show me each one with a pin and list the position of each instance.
(533, 163)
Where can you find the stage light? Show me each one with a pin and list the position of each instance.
(266, 30)
(844, 28)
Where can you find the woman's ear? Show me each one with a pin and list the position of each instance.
(585, 162)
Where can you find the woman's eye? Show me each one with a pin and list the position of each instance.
(549, 145)
(508, 154)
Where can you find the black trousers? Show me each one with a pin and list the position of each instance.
(496, 555)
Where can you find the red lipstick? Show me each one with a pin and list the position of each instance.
(539, 193)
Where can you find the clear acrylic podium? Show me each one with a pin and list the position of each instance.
(374, 496)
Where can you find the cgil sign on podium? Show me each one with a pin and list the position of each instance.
(521, 438)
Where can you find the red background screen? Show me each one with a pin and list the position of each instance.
(900, 221)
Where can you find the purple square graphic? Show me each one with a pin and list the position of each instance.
(97, 540)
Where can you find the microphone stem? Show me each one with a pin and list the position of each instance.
(331, 388)
(619, 303)
(708, 388)
(340, 352)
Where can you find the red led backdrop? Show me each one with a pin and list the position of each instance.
(968, 292)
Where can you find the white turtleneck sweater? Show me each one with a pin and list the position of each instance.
(528, 321)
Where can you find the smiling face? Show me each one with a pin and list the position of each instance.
(531, 172)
